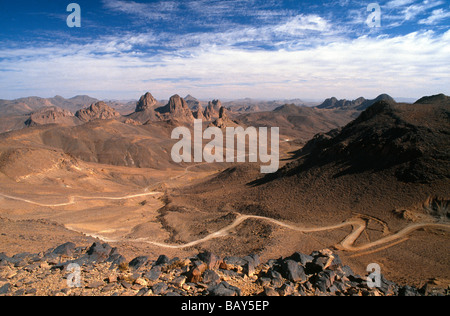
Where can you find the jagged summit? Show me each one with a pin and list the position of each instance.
(146, 102)
(177, 108)
(212, 110)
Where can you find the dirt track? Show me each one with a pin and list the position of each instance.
(358, 224)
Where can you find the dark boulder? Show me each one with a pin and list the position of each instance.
(66, 249)
(138, 262)
(162, 260)
(224, 289)
(301, 258)
(293, 271)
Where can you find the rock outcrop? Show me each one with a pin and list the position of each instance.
(145, 110)
(212, 110)
(198, 113)
(146, 102)
(51, 115)
(100, 270)
(224, 120)
(177, 109)
(97, 111)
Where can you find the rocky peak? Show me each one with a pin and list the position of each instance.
(223, 113)
(198, 113)
(213, 109)
(177, 108)
(223, 120)
(193, 103)
(147, 101)
(176, 104)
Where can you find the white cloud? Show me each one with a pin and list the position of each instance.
(152, 11)
(301, 23)
(411, 65)
(412, 11)
(398, 3)
(435, 17)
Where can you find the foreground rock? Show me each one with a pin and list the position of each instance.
(99, 270)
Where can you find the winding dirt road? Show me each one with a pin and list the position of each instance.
(72, 199)
(358, 224)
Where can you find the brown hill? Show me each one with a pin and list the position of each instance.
(102, 141)
(298, 122)
(411, 141)
(434, 99)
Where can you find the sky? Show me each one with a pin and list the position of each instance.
(227, 49)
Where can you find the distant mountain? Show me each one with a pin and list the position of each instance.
(56, 115)
(297, 122)
(23, 106)
(359, 104)
(28, 105)
(193, 103)
(252, 105)
(148, 109)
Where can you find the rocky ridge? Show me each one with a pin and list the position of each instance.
(50, 115)
(100, 270)
(99, 110)
(359, 104)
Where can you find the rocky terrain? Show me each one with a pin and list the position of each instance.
(374, 190)
(100, 270)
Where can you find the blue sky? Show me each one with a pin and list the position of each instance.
(226, 49)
